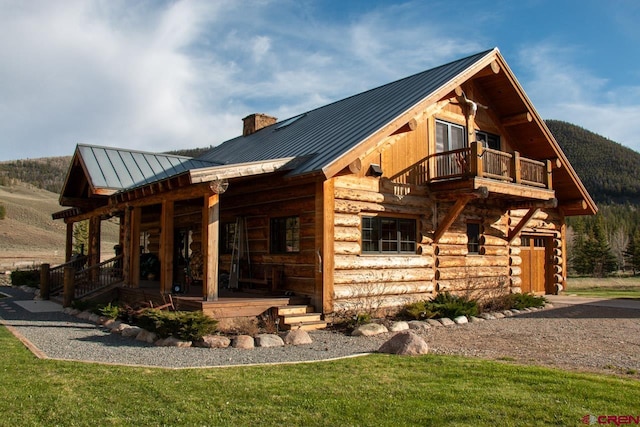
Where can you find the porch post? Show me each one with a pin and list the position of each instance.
(134, 246)
(94, 244)
(125, 225)
(166, 246)
(210, 237)
(68, 247)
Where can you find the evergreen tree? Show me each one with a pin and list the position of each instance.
(598, 250)
(579, 259)
(80, 236)
(632, 253)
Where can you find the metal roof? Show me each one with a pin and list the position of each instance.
(119, 169)
(328, 132)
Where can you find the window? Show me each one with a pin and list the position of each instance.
(488, 140)
(449, 137)
(228, 237)
(388, 235)
(473, 237)
(285, 235)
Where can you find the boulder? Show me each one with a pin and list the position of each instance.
(398, 326)
(173, 342)
(405, 343)
(213, 341)
(446, 321)
(94, 318)
(418, 325)
(461, 320)
(268, 340)
(131, 331)
(297, 337)
(498, 315)
(433, 322)
(117, 328)
(243, 341)
(84, 315)
(474, 319)
(146, 336)
(369, 329)
(487, 316)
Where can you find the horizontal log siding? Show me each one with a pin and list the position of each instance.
(258, 203)
(373, 282)
(481, 275)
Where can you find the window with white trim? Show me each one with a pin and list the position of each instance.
(449, 136)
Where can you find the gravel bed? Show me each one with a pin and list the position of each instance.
(575, 337)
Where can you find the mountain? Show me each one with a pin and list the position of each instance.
(610, 171)
(591, 155)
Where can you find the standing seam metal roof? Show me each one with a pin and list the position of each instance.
(118, 169)
(328, 132)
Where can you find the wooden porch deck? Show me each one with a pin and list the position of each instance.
(229, 304)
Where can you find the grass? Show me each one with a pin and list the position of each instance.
(373, 390)
(609, 287)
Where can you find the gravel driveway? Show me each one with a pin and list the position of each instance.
(576, 337)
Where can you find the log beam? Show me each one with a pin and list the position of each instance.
(517, 119)
(520, 225)
(451, 216)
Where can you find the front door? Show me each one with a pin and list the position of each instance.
(535, 270)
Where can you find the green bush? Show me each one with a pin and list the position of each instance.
(443, 305)
(419, 310)
(110, 310)
(3, 212)
(26, 277)
(511, 301)
(185, 325)
(452, 306)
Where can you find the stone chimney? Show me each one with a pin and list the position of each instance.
(255, 122)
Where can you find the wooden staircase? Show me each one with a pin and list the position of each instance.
(299, 317)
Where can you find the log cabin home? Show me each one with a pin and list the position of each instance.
(447, 180)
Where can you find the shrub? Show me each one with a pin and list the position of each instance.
(185, 325)
(26, 277)
(418, 310)
(109, 310)
(452, 306)
(511, 301)
(3, 212)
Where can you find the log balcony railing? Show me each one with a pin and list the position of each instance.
(478, 162)
(75, 280)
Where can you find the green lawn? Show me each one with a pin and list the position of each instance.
(373, 390)
(608, 287)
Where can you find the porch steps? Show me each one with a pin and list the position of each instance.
(300, 317)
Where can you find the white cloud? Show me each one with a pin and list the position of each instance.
(562, 90)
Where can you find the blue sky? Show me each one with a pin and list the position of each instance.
(166, 75)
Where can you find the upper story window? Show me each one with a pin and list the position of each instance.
(388, 235)
(285, 235)
(449, 136)
(488, 140)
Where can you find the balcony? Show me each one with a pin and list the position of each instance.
(476, 167)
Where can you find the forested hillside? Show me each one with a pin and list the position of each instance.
(610, 171)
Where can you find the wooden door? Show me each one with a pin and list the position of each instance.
(535, 269)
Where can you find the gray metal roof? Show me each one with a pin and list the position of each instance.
(119, 169)
(328, 132)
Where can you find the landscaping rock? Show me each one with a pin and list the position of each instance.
(405, 343)
(445, 321)
(213, 341)
(461, 320)
(433, 322)
(297, 337)
(173, 342)
(84, 315)
(487, 316)
(243, 341)
(418, 325)
(146, 336)
(498, 315)
(398, 326)
(119, 327)
(268, 340)
(131, 331)
(94, 318)
(369, 329)
(548, 305)
(515, 311)
(474, 319)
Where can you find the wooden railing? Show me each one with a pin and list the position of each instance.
(477, 161)
(76, 281)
